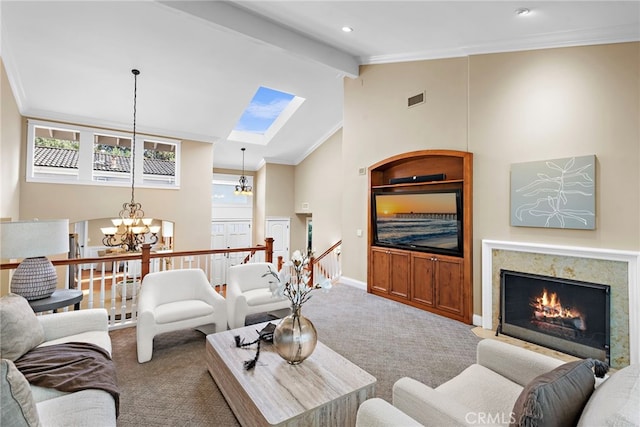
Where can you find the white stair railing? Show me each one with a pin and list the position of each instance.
(112, 282)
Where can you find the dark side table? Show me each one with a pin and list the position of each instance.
(60, 298)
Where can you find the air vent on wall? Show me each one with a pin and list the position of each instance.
(414, 100)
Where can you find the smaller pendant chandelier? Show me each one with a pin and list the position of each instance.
(130, 229)
(243, 188)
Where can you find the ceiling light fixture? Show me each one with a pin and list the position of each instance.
(522, 11)
(347, 29)
(129, 230)
(243, 188)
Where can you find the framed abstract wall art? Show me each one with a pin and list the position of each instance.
(558, 193)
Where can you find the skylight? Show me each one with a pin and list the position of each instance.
(267, 112)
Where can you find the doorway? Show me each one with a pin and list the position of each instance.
(278, 228)
(309, 234)
(224, 235)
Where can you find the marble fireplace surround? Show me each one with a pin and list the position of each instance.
(619, 269)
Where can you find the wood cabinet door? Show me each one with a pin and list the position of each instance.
(449, 284)
(399, 267)
(380, 273)
(422, 286)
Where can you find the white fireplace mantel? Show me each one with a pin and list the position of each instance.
(631, 258)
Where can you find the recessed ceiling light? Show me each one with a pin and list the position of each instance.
(523, 11)
(347, 29)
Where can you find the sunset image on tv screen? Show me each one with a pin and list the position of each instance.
(425, 220)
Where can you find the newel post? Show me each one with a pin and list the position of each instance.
(312, 261)
(146, 260)
(268, 252)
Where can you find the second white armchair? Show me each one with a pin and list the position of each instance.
(248, 292)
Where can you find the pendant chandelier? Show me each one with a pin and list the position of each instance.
(243, 187)
(131, 227)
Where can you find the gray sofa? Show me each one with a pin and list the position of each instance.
(511, 385)
(24, 404)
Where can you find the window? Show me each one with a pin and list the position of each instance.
(265, 115)
(225, 204)
(223, 193)
(111, 158)
(79, 155)
(159, 162)
(55, 153)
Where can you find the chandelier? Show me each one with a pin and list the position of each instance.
(130, 229)
(243, 187)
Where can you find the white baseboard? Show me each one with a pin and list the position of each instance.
(352, 282)
(476, 320)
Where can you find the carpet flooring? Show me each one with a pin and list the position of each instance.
(386, 339)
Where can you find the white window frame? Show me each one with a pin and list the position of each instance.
(85, 158)
(221, 211)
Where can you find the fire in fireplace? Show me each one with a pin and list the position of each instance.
(567, 315)
(549, 313)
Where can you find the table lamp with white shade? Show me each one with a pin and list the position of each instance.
(35, 278)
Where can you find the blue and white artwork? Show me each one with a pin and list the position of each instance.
(557, 193)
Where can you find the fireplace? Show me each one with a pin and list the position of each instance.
(567, 315)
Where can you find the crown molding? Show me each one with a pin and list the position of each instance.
(595, 36)
(118, 126)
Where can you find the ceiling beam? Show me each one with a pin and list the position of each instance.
(226, 16)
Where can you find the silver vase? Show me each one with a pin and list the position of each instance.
(295, 337)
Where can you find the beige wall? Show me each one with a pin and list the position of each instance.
(278, 198)
(189, 207)
(318, 182)
(10, 137)
(378, 124)
(556, 103)
(522, 106)
(259, 204)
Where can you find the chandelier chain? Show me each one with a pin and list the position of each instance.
(127, 231)
(133, 139)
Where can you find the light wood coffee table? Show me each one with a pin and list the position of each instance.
(324, 390)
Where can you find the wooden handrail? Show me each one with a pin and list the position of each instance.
(316, 260)
(328, 251)
(313, 261)
(249, 256)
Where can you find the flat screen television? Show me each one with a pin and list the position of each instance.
(428, 221)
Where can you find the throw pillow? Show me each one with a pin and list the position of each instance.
(555, 398)
(18, 406)
(20, 330)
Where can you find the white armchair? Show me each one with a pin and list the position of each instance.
(490, 386)
(248, 292)
(176, 299)
(503, 385)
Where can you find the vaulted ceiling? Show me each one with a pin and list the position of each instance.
(202, 61)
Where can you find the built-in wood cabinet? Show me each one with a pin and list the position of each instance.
(391, 271)
(435, 282)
